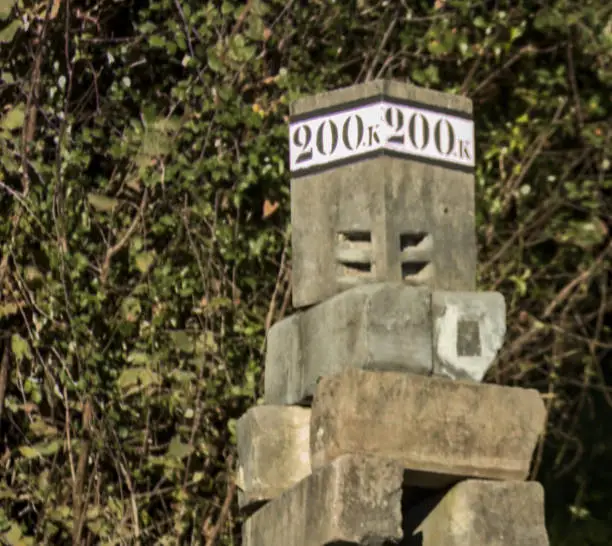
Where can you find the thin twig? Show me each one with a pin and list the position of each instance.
(21, 200)
(536, 149)
(4, 374)
(382, 45)
(122, 242)
(571, 72)
(512, 60)
(78, 502)
(279, 281)
(225, 508)
(133, 503)
(67, 426)
(580, 279)
(470, 75)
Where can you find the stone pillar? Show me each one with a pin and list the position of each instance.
(376, 428)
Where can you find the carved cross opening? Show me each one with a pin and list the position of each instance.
(416, 254)
(354, 257)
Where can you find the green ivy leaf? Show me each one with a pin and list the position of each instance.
(39, 428)
(20, 348)
(28, 452)
(144, 261)
(157, 41)
(206, 343)
(138, 377)
(256, 28)
(6, 493)
(178, 449)
(5, 8)
(181, 376)
(102, 203)
(583, 234)
(8, 32)
(436, 47)
(50, 448)
(138, 357)
(42, 449)
(14, 118)
(13, 536)
(8, 309)
(227, 8)
(182, 341)
(214, 62)
(479, 22)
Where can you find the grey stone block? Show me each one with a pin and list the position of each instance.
(393, 88)
(384, 218)
(440, 430)
(273, 452)
(383, 326)
(353, 500)
(469, 330)
(479, 513)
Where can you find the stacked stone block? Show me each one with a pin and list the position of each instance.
(376, 428)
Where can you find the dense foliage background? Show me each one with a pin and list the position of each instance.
(144, 231)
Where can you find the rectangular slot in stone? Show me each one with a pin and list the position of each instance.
(412, 269)
(441, 430)
(468, 338)
(410, 241)
(354, 257)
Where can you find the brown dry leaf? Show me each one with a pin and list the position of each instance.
(29, 408)
(266, 34)
(55, 9)
(269, 208)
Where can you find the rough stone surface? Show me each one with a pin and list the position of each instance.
(440, 430)
(469, 330)
(479, 513)
(397, 89)
(382, 326)
(384, 218)
(353, 500)
(273, 452)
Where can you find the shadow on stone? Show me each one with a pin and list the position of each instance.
(249, 510)
(417, 503)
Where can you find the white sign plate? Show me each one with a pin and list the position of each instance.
(324, 140)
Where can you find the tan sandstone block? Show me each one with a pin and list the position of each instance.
(353, 500)
(440, 430)
(273, 452)
(480, 513)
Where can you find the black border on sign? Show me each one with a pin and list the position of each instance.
(373, 99)
(379, 153)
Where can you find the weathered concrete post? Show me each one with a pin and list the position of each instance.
(376, 428)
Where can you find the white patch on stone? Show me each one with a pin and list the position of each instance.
(240, 478)
(491, 326)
